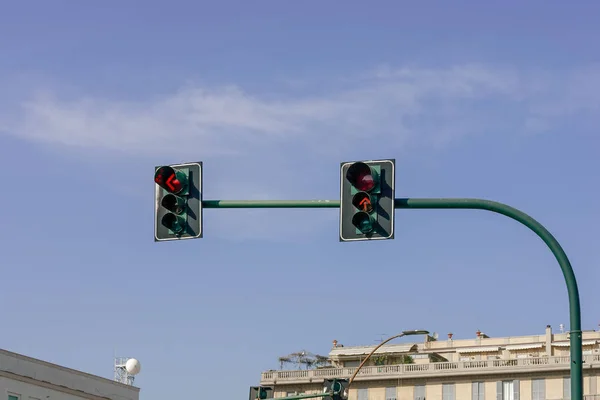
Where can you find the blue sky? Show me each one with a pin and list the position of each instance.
(497, 101)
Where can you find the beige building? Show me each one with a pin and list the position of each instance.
(482, 368)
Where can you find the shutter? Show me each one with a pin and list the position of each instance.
(517, 389)
(363, 394)
(542, 389)
(448, 391)
(419, 392)
(390, 393)
(475, 391)
(499, 390)
(567, 388)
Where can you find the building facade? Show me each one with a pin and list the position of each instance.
(483, 368)
(25, 378)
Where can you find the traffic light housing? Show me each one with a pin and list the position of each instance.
(337, 387)
(178, 201)
(260, 393)
(367, 200)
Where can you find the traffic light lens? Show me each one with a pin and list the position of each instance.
(361, 176)
(166, 177)
(172, 222)
(337, 387)
(362, 201)
(363, 222)
(173, 203)
(262, 394)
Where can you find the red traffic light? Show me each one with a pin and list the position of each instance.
(168, 179)
(361, 176)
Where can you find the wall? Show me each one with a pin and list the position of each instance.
(27, 391)
(463, 388)
(16, 367)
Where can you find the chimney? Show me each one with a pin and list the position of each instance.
(548, 340)
(450, 336)
(335, 342)
(478, 333)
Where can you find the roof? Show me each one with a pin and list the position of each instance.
(364, 350)
(568, 343)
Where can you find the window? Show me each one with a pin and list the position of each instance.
(478, 391)
(419, 392)
(363, 394)
(508, 390)
(13, 397)
(351, 364)
(538, 389)
(390, 393)
(567, 388)
(448, 391)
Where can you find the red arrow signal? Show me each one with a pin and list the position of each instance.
(166, 177)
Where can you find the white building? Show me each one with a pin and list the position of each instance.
(26, 378)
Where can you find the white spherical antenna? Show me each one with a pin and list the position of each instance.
(133, 366)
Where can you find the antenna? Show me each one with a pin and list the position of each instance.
(381, 339)
(126, 369)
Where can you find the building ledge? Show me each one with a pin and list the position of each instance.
(483, 367)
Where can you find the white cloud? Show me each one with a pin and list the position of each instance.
(403, 104)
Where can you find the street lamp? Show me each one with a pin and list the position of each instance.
(404, 333)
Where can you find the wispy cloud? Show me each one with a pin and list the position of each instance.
(407, 105)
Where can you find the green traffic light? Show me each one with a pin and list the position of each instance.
(363, 222)
(336, 387)
(173, 223)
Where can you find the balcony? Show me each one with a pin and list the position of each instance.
(483, 367)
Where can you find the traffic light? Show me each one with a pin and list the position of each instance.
(260, 393)
(178, 202)
(367, 200)
(337, 387)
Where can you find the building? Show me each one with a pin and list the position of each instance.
(25, 378)
(482, 368)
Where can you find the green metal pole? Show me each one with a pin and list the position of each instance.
(471, 204)
(303, 396)
(555, 247)
(271, 204)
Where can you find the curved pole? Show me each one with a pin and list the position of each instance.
(370, 354)
(553, 245)
(473, 204)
